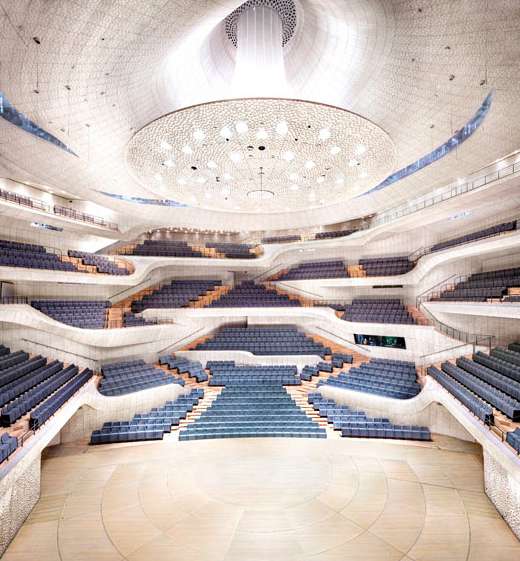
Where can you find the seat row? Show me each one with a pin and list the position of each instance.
(357, 424)
(193, 368)
(151, 425)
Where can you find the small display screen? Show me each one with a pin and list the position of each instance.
(380, 341)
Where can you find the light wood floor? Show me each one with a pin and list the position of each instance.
(265, 500)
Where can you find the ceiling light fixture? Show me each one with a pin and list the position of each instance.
(241, 127)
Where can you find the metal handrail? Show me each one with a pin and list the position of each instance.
(57, 210)
(454, 333)
(14, 300)
(132, 288)
(424, 296)
(58, 349)
(182, 339)
(451, 192)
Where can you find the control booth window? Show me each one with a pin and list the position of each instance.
(380, 341)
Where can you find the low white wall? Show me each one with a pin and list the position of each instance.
(243, 357)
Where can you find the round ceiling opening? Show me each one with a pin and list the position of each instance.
(260, 154)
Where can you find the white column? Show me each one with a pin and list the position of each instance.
(259, 70)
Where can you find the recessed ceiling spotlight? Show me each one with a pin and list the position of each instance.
(211, 164)
(235, 156)
(199, 134)
(226, 132)
(262, 134)
(187, 150)
(335, 150)
(309, 164)
(360, 149)
(324, 134)
(169, 163)
(241, 127)
(282, 128)
(165, 145)
(288, 155)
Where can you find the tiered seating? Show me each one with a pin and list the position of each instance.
(477, 406)
(46, 385)
(317, 270)
(514, 347)
(264, 340)
(177, 294)
(127, 377)
(248, 294)
(282, 239)
(357, 424)
(386, 266)
(26, 382)
(481, 382)
(513, 439)
(86, 314)
(8, 444)
(31, 256)
(151, 425)
(481, 286)
(102, 264)
(184, 366)
(131, 320)
(254, 403)
(165, 248)
(222, 375)
(308, 371)
(333, 234)
(234, 250)
(338, 360)
(390, 378)
(384, 310)
(487, 232)
(47, 409)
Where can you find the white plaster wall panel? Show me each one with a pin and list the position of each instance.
(243, 357)
(504, 330)
(18, 495)
(506, 310)
(504, 490)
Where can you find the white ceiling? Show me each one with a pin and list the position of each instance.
(105, 69)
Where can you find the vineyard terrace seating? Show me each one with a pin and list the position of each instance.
(264, 340)
(389, 378)
(85, 314)
(122, 378)
(251, 295)
(355, 423)
(31, 256)
(176, 294)
(389, 310)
